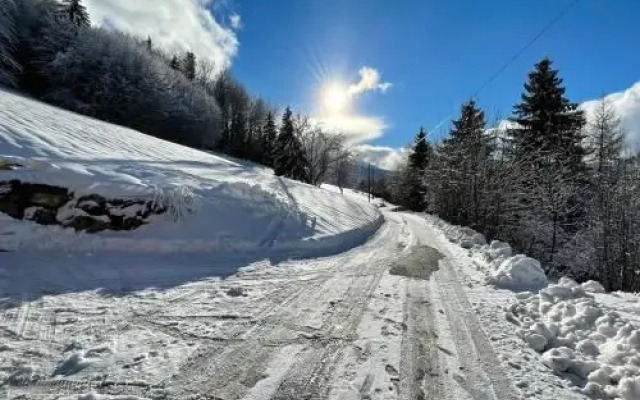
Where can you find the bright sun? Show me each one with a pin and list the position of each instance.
(335, 99)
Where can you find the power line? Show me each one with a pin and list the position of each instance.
(526, 47)
(517, 55)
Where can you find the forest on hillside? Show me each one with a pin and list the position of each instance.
(49, 50)
(558, 186)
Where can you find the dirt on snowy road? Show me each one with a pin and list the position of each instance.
(387, 320)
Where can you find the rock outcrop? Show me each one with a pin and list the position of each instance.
(53, 205)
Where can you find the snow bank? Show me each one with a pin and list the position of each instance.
(501, 269)
(581, 339)
(214, 203)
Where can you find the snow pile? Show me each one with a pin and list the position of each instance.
(518, 273)
(501, 269)
(213, 203)
(580, 339)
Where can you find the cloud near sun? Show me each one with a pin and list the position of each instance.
(337, 112)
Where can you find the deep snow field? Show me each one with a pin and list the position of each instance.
(217, 203)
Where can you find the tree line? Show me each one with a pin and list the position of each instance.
(49, 50)
(558, 187)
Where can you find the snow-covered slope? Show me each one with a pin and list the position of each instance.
(219, 204)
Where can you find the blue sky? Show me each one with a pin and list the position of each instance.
(435, 53)
(423, 57)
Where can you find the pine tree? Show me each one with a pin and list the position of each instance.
(77, 13)
(419, 158)
(548, 145)
(8, 65)
(269, 136)
(418, 162)
(465, 155)
(289, 158)
(189, 66)
(548, 124)
(149, 44)
(175, 64)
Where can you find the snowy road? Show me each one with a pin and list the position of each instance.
(387, 320)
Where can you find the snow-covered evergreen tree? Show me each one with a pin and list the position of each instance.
(269, 136)
(419, 158)
(289, 158)
(547, 122)
(189, 66)
(77, 13)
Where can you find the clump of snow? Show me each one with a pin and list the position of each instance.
(518, 273)
(76, 361)
(593, 287)
(581, 339)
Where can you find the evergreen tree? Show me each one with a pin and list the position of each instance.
(175, 64)
(269, 136)
(149, 44)
(289, 158)
(548, 147)
(77, 13)
(465, 154)
(189, 66)
(418, 162)
(548, 124)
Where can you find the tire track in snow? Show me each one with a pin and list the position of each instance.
(420, 371)
(482, 376)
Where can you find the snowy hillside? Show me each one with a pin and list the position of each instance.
(209, 203)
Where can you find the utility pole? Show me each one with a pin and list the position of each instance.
(369, 186)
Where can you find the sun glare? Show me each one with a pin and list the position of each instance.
(335, 99)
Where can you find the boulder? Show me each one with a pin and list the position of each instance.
(88, 224)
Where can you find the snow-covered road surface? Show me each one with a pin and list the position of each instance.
(390, 319)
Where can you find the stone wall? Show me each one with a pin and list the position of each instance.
(53, 205)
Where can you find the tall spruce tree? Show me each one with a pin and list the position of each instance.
(77, 13)
(548, 146)
(464, 156)
(418, 162)
(269, 136)
(189, 66)
(289, 158)
(548, 124)
(174, 63)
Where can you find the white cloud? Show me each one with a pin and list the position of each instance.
(236, 21)
(357, 128)
(627, 105)
(370, 79)
(176, 25)
(387, 158)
